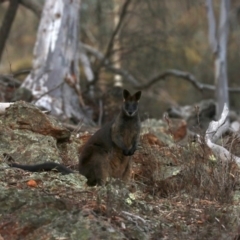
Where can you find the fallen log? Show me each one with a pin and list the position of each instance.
(215, 130)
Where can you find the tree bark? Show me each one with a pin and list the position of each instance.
(54, 80)
(7, 24)
(116, 44)
(215, 130)
(221, 77)
(34, 5)
(218, 43)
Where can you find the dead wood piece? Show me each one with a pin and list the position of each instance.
(3, 107)
(133, 216)
(214, 132)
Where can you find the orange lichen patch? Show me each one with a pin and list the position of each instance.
(32, 183)
(177, 128)
(152, 140)
(83, 139)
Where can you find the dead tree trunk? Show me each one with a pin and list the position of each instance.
(218, 43)
(116, 45)
(54, 80)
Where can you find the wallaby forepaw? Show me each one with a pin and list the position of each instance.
(129, 152)
(126, 152)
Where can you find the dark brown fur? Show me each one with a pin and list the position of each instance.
(107, 153)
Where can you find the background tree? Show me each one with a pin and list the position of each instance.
(7, 24)
(159, 40)
(218, 39)
(54, 79)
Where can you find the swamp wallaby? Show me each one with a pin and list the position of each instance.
(107, 153)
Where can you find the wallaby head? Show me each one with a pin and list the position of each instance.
(130, 103)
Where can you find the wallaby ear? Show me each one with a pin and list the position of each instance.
(137, 95)
(126, 94)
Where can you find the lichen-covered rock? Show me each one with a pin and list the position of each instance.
(22, 115)
(27, 213)
(159, 129)
(26, 147)
(30, 137)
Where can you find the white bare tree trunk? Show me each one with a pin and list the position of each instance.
(215, 130)
(116, 45)
(218, 43)
(54, 80)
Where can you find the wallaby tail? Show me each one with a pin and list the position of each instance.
(48, 166)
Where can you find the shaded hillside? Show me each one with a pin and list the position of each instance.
(176, 192)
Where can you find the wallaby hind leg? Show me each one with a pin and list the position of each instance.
(127, 173)
(101, 169)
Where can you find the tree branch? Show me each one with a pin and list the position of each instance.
(8, 80)
(109, 67)
(214, 132)
(111, 41)
(180, 74)
(7, 24)
(116, 30)
(212, 27)
(86, 65)
(34, 6)
(185, 76)
(160, 77)
(133, 216)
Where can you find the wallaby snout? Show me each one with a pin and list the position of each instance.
(130, 110)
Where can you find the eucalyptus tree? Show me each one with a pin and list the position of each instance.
(218, 39)
(54, 79)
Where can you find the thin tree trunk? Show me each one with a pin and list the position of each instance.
(34, 5)
(54, 80)
(221, 78)
(116, 44)
(218, 43)
(7, 24)
(110, 44)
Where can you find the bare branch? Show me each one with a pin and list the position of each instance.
(180, 74)
(160, 77)
(21, 72)
(33, 5)
(86, 65)
(116, 30)
(109, 66)
(7, 24)
(94, 52)
(212, 26)
(125, 74)
(111, 41)
(185, 76)
(133, 216)
(214, 131)
(217, 128)
(9, 80)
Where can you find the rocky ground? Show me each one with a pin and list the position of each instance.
(178, 190)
